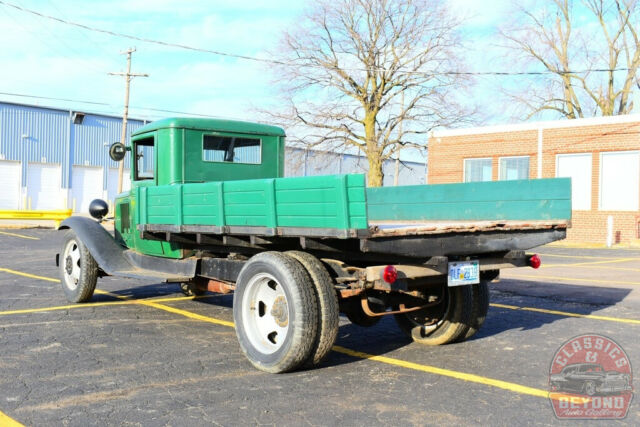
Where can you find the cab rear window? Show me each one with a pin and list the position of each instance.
(231, 149)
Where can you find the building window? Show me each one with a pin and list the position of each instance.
(231, 149)
(514, 168)
(476, 170)
(619, 181)
(578, 168)
(144, 150)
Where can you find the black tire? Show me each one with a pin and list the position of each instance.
(78, 270)
(479, 309)
(590, 388)
(453, 318)
(292, 309)
(328, 312)
(352, 308)
(190, 289)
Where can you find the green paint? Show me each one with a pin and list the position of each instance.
(539, 199)
(189, 188)
(317, 202)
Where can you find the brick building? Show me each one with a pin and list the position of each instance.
(601, 155)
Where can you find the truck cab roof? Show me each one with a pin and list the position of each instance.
(216, 125)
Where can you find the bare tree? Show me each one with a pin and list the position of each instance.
(591, 64)
(346, 66)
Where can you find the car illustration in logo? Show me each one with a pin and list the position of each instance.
(590, 379)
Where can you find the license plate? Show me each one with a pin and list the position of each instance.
(463, 273)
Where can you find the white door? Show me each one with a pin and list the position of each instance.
(578, 168)
(86, 185)
(620, 181)
(10, 180)
(112, 183)
(44, 186)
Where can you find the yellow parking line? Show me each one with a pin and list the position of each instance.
(568, 314)
(510, 307)
(517, 388)
(97, 304)
(600, 267)
(578, 256)
(7, 421)
(571, 279)
(62, 307)
(100, 291)
(31, 276)
(188, 314)
(6, 233)
(608, 261)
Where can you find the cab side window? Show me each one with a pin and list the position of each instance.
(145, 154)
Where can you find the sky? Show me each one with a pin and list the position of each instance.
(42, 57)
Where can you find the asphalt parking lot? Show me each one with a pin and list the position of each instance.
(140, 353)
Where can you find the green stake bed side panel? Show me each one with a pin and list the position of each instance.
(335, 201)
(531, 200)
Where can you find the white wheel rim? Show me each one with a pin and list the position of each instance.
(71, 264)
(265, 313)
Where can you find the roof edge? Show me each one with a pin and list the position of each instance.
(549, 124)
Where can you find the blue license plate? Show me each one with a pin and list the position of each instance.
(463, 273)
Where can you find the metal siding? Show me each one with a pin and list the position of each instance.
(92, 138)
(46, 130)
(53, 138)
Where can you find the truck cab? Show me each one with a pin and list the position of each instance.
(193, 150)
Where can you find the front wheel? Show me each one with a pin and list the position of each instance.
(442, 323)
(78, 269)
(275, 310)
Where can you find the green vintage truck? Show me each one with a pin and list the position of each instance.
(209, 208)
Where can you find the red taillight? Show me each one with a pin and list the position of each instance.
(390, 274)
(535, 261)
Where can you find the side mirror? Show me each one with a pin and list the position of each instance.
(117, 151)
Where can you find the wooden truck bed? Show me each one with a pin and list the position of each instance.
(465, 218)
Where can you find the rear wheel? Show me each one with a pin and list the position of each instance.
(352, 308)
(275, 312)
(328, 313)
(442, 323)
(479, 309)
(78, 269)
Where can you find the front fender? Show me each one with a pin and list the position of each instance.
(117, 260)
(108, 253)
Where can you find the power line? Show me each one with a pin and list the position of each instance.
(159, 110)
(142, 39)
(290, 63)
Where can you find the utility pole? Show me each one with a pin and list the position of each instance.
(128, 76)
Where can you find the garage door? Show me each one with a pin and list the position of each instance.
(86, 185)
(44, 186)
(112, 183)
(10, 178)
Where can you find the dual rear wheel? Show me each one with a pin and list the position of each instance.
(459, 317)
(286, 311)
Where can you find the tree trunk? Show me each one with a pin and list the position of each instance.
(374, 154)
(375, 174)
